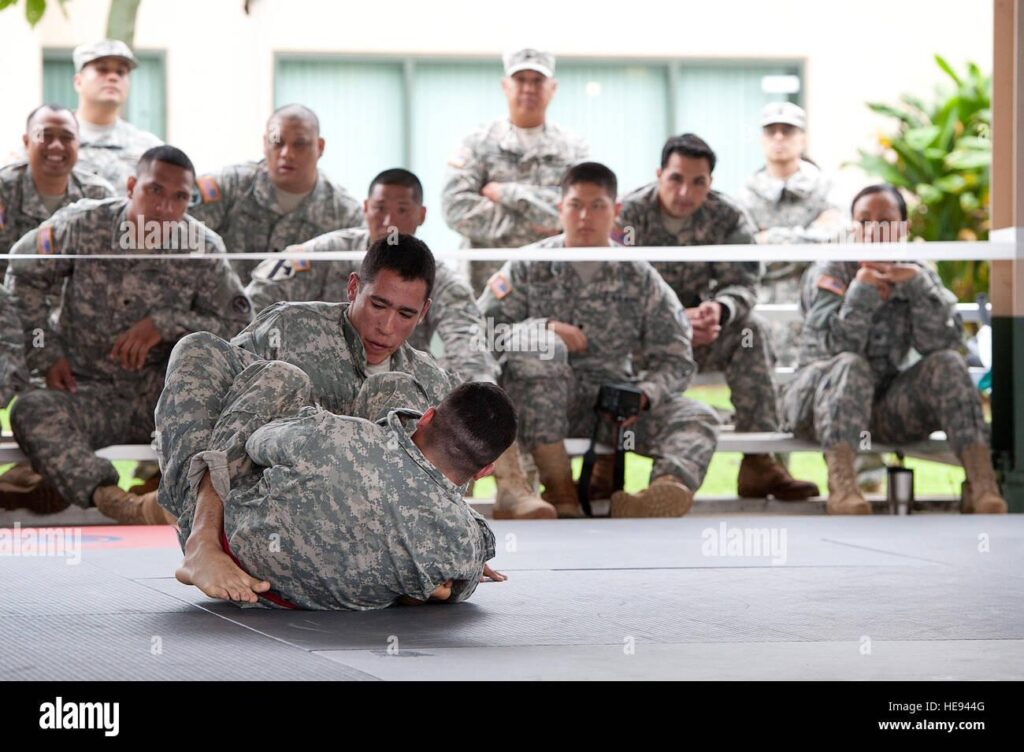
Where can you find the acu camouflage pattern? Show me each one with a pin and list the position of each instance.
(22, 209)
(357, 514)
(527, 211)
(241, 205)
(719, 221)
(453, 314)
(786, 210)
(13, 372)
(625, 309)
(115, 155)
(888, 367)
(97, 301)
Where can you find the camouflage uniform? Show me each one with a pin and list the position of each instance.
(526, 212)
(316, 337)
(357, 514)
(625, 308)
(240, 203)
(786, 210)
(453, 314)
(854, 372)
(116, 154)
(100, 299)
(743, 348)
(13, 372)
(22, 209)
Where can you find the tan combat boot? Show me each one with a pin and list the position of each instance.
(666, 496)
(981, 492)
(602, 478)
(555, 472)
(130, 509)
(761, 476)
(515, 499)
(844, 496)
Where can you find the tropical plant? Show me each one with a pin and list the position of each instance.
(940, 154)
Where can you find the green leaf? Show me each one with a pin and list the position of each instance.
(34, 10)
(949, 70)
(885, 109)
(5, 3)
(963, 159)
(969, 202)
(951, 183)
(935, 153)
(974, 143)
(920, 138)
(873, 164)
(928, 193)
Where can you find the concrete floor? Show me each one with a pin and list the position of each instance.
(929, 597)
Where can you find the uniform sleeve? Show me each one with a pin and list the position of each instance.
(213, 197)
(536, 205)
(36, 285)
(281, 441)
(453, 315)
(282, 280)
(840, 321)
(462, 589)
(666, 343)
(13, 372)
(264, 335)
(7, 238)
(933, 324)
(736, 286)
(219, 304)
(469, 213)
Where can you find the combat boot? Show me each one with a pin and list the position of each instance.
(843, 495)
(666, 496)
(760, 475)
(555, 472)
(130, 509)
(515, 498)
(981, 492)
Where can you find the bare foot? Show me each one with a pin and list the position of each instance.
(493, 575)
(210, 569)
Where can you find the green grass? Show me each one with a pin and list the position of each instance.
(930, 478)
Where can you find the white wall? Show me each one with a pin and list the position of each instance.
(220, 61)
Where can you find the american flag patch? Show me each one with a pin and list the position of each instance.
(3, 216)
(209, 191)
(44, 241)
(500, 286)
(825, 282)
(302, 265)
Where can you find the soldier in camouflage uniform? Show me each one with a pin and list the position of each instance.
(283, 200)
(395, 203)
(789, 201)
(337, 345)
(110, 146)
(13, 372)
(574, 327)
(363, 514)
(864, 325)
(502, 184)
(104, 363)
(681, 209)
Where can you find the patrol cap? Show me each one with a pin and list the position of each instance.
(529, 59)
(784, 112)
(86, 53)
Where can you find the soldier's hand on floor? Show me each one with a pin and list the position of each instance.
(492, 574)
(133, 345)
(492, 191)
(59, 377)
(573, 337)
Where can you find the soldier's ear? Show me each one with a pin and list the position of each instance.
(320, 143)
(657, 173)
(618, 209)
(427, 418)
(484, 471)
(353, 286)
(132, 180)
(422, 217)
(24, 140)
(423, 313)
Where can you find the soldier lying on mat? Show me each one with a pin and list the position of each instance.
(324, 511)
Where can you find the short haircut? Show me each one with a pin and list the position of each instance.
(688, 145)
(591, 172)
(474, 426)
(883, 188)
(400, 177)
(167, 154)
(406, 255)
(49, 106)
(295, 112)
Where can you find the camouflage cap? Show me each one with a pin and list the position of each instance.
(784, 112)
(529, 59)
(86, 53)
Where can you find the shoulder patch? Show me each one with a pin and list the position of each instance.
(461, 158)
(826, 282)
(209, 191)
(500, 286)
(3, 216)
(44, 241)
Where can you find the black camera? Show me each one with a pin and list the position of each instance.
(620, 401)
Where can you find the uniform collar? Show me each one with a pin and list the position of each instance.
(263, 191)
(801, 184)
(405, 442)
(509, 141)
